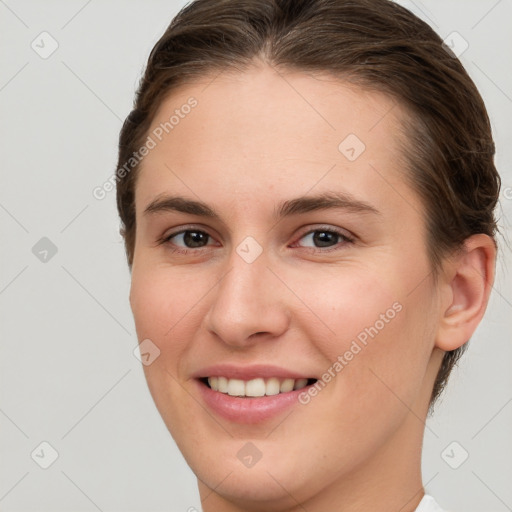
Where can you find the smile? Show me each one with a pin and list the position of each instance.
(250, 395)
(258, 387)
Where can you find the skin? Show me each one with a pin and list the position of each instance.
(255, 139)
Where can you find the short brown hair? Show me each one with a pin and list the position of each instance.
(376, 44)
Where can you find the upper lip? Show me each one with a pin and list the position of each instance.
(255, 371)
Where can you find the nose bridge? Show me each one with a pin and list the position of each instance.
(247, 300)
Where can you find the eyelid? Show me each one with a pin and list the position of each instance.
(350, 237)
(182, 229)
(346, 235)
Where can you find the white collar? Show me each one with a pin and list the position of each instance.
(428, 504)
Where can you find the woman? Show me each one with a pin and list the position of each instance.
(307, 195)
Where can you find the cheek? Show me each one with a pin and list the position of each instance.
(349, 304)
(164, 303)
(374, 335)
(158, 298)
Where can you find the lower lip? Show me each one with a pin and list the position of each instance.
(248, 410)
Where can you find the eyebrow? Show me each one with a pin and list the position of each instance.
(303, 204)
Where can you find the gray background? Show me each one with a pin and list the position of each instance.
(68, 373)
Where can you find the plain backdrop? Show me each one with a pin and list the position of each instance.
(69, 378)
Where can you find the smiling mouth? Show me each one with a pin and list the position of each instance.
(255, 388)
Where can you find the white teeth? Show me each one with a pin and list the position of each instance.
(287, 385)
(255, 387)
(300, 383)
(214, 383)
(236, 387)
(272, 387)
(223, 384)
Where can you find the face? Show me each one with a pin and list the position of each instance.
(281, 255)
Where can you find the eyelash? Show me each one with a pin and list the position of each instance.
(345, 239)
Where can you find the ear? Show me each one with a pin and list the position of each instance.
(467, 282)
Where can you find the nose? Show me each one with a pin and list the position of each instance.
(248, 304)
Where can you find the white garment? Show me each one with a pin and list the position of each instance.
(428, 504)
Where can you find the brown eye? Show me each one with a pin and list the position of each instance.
(323, 238)
(190, 239)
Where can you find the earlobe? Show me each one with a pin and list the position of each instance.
(469, 278)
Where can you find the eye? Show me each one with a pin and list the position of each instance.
(188, 239)
(324, 238)
(320, 238)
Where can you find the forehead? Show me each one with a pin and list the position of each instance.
(263, 129)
